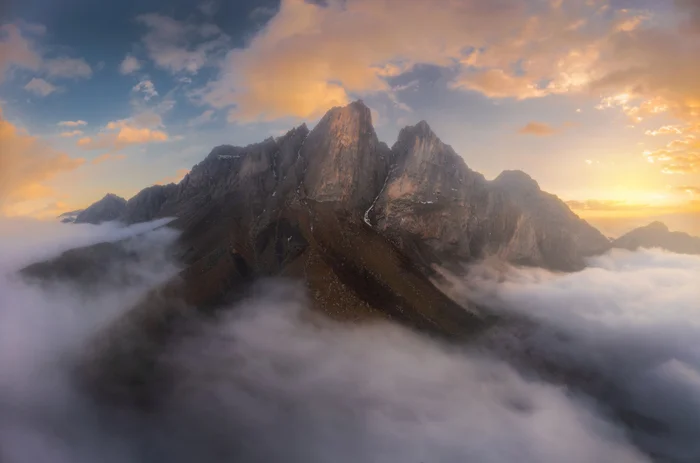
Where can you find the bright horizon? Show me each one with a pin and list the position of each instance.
(597, 100)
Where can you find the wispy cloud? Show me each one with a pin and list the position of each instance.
(129, 65)
(147, 88)
(202, 119)
(108, 157)
(16, 50)
(72, 133)
(40, 87)
(72, 123)
(539, 129)
(68, 68)
(181, 46)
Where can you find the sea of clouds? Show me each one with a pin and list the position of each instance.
(271, 382)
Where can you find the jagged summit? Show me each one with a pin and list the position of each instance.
(420, 194)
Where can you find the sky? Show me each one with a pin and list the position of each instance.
(598, 100)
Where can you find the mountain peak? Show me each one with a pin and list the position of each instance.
(112, 196)
(657, 226)
(516, 179)
(107, 209)
(356, 109)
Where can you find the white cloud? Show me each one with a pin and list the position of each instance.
(69, 68)
(147, 88)
(129, 65)
(72, 123)
(628, 324)
(40, 87)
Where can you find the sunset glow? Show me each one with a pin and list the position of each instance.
(596, 100)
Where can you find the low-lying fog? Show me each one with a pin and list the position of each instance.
(267, 382)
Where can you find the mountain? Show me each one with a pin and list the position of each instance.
(360, 223)
(657, 235)
(109, 208)
(433, 198)
(70, 216)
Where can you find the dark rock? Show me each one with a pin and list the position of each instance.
(657, 235)
(147, 204)
(109, 208)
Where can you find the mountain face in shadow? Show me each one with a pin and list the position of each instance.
(109, 208)
(657, 235)
(360, 223)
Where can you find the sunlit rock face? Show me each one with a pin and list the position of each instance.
(345, 162)
(432, 195)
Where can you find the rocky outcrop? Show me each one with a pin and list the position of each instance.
(359, 223)
(546, 233)
(147, 204)
(70, 216)
(657, 235)
(344, 161)
(109, 208)
(431, 198)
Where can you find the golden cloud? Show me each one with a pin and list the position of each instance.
(120, 134)
(108, 157)
(25, 163)
(72, 133)
(537, 128)
(681, 156)
(310, 57)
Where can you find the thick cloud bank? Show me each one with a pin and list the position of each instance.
(45, 330)
(626, 329)
(269, 381)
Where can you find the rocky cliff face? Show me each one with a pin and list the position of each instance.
(109, 208)
(657, 235)
(359, 223)
(432, 197)
(344, 161)
(546, 232)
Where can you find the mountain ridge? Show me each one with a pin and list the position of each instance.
(362, 225)
(657, 235)
(341, 161)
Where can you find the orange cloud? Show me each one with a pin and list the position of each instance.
(497, 83)
(617, 217)
(107, 157)
(681, 156)
(537, 128)
(72, 133)
(25, 163)
(16, 50)
(311, 56)
(120, 134)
